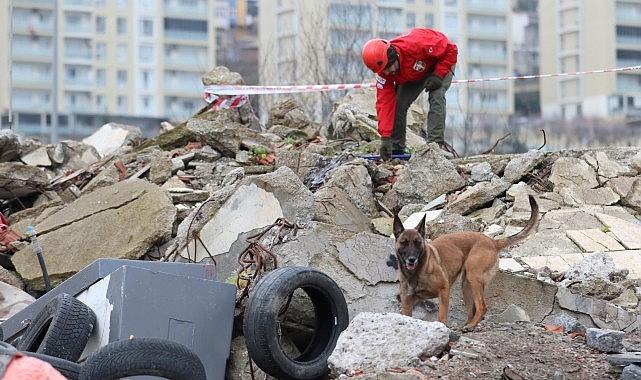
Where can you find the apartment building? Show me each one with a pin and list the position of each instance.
(117, 60)
(305, 41)
(581, 35)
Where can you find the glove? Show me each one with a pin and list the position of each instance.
(385, 151)
(433, 82)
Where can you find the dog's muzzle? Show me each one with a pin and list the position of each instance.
(410, 262)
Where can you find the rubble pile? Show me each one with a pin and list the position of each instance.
(199, 190)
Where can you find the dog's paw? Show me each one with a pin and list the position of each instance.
(468, 328)
(392, 261)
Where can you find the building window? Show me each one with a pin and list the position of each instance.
(146, 102)
(122, 4)
(122, 78)
(146, 52)
(101, 103)
(411, 19)
(147, 28)
(451, 3)
(121, 25)
(101, 51)
(429, 20)
(122, 104)
(101, 77)
(429, 2)
(145, 78)
(122, 53)
(100, 24)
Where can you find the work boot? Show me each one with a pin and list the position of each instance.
(385, 150)
(448, 149)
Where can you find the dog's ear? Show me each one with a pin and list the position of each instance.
(398, 226)
(421, 227)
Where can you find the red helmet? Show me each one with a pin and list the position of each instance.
(375, 54)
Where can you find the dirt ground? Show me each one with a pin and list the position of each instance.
(527, 350)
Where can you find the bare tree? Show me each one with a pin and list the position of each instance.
(326, 50)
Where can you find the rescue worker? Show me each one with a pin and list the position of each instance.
(421, 59)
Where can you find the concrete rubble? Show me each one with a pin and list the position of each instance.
(198, 191)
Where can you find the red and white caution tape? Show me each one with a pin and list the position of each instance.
(223, 96)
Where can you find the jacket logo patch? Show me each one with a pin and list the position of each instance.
(419, 66)
(380, 81)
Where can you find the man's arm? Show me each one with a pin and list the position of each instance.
(444, 65)
(385, 105)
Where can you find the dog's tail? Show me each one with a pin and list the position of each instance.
(531, 225)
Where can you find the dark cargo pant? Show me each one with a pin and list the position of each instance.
(406, 94)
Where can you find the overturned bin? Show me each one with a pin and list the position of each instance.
(175, 301)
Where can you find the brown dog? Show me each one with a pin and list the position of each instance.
(429, 269)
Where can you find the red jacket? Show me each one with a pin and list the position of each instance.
(420, 51)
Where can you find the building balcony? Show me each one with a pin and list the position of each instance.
(484, 56)
(186, 11)
(82, 28)
(31, 79)
(79, 4)
(31, 52)
(488, 6)
(629, 42)
(186, 35)
(484, 32)
(183, 87)
(621, 62)
(187, 62)
(22, 104)
(628, 18)
(30, 27)
(33, 4)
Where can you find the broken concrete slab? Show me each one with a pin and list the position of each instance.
(19, 180)
(183, 195)
(161, 167)
(628, 233)
(112, 136)
(477, 196)
(508, 264)
(39, 157)
(548, 242)
(494, 230)
(226, 136)
(570, 171)
(354, 179)
(492, 213)
(9, 145)
(427, 175)
(367, 345)
(365, 254)
(513, 313)
(102, 224)
(630, 260)
(12, 300)
(608, 168)
(450, 223)
(631, 372)
(598, 287)
(632, 198)
(301, 162)
(603, 314)
(607, 341)
(594, 240)
(635, 162)
(576, 197)
(522, 164)
(332, 205)
(296, 201)
(622, 185)
(223, 229)
(569, 323)
(482, 172)
(594, 265)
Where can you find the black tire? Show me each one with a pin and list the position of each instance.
(60, 329)
(143, 356)
(261, 325)
(68, 369)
